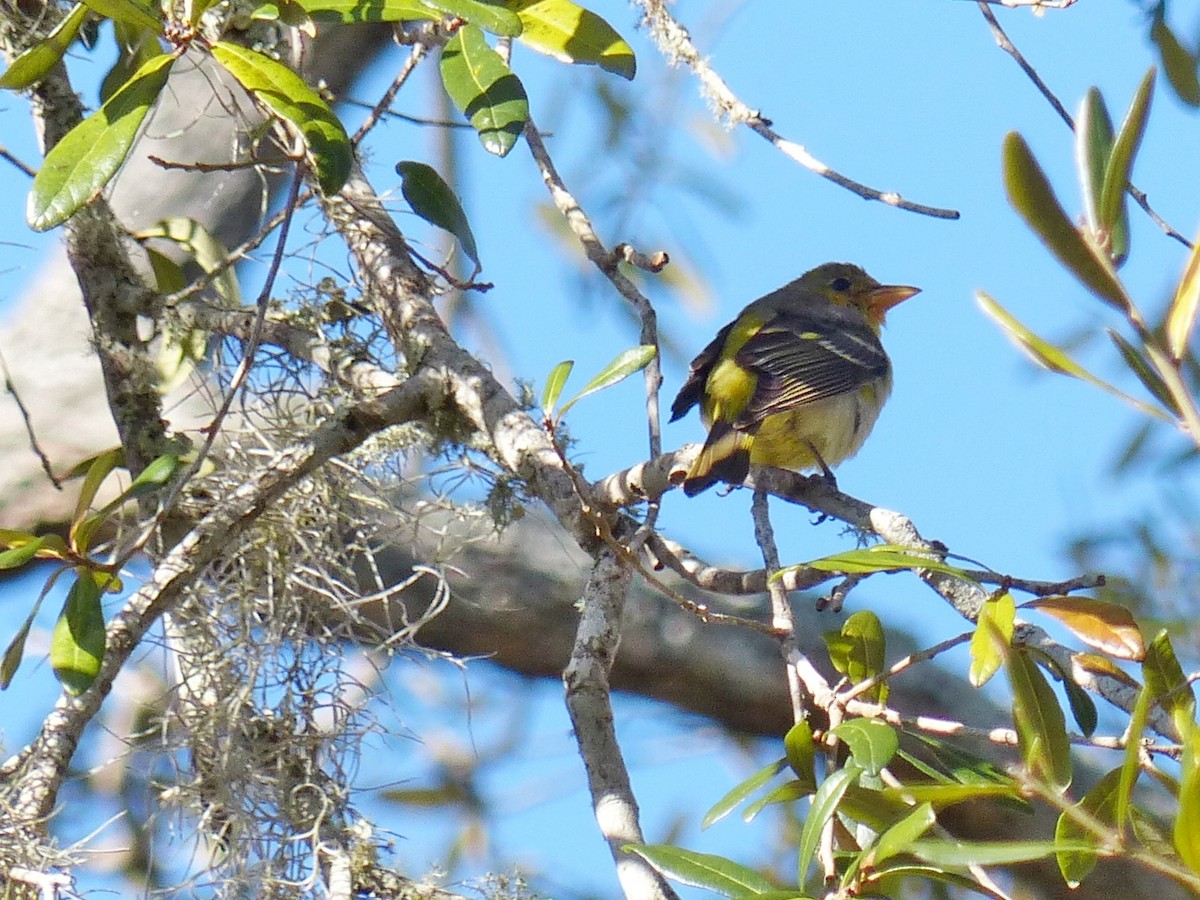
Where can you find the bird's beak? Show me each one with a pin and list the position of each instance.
(882, 298)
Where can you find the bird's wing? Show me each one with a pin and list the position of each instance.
(800, 359)
(692, 391)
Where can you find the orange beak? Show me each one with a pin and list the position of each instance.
(882, 298)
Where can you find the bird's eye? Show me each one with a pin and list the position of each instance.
(840, 284)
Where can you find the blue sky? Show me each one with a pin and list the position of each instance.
(999, 461)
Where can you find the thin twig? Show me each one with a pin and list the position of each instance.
(1002, 40)
(249, 350)
(607, 262)
(1032, 586)
(262, 304)
(782, 617)
(411, 119)
(25, 417)
(378, 110)
(209, 168)
(1036, 4)
(900, 665)
(8, 157)
(236, 255)
(676, 44)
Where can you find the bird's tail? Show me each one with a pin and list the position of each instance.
(725, 457)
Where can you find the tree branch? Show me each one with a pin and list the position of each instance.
(676, 45)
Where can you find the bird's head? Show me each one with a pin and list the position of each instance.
(848, 285)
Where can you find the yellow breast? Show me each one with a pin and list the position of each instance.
(836, 428)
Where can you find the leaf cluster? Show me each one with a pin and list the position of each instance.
(884, 785)
(476, 77)
(77, 646)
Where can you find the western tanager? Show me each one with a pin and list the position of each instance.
(796, 380)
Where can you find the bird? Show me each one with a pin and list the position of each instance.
(796, 381)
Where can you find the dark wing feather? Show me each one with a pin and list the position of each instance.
(692, 391)
(800, 358)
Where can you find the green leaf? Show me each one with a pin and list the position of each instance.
(789, 792)
(872, 743)
(875, 809)
(858, 651)
(156, 473)
(1178, 62)
(168, 274)
(1145, 373)
(1186, 831)
(824, 806)
(31, 66)
(1050, 357)
(1041, 726)
(287, 12)
(703, 870)
(137, 47)
(623, 365)
(17, 556)
(901, 836)
(1098, 804)
(941, 794)
(988, 853)
(1114, 215)
(993, 635)
(741, 792)
(151, 478)
(800, 750)
(1083, 708)
(350, 12)
(77, 646)
(81, 468)
(1109, 627)
(880, 558)
(484, 88)
(15, 650)
(555, 382)
(490, 15)
(967, 768)
(128, 11)
(1093, 145)
(89, 155)
(204, 247)
(434, 201)
(52, 546)
(286, 95)
(1181, 314)
(1165, 679)
(572, 34)
(99, 469)
(194, 9)
(1031, 195)
(1040, 351)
